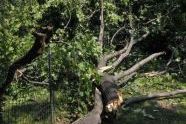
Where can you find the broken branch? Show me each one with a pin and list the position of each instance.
(120, 29)
(42, 38)
(143, 36)
(138, 99)
(103, 61)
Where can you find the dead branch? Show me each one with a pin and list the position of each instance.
(138, 99)
(120, 29)
(101, 33)
(93, 117)
(138, 65)
(154, 73)
(42, 38)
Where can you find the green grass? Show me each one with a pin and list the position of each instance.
(169, 111)
(27, 107)
(31, 106)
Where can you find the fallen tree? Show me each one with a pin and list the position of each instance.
(109, 62)
(164, 95)
(106, 96)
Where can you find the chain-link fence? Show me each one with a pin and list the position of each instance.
(29, 108)
(30, 104)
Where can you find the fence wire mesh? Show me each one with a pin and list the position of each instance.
(28, 108)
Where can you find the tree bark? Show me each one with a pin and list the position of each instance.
(42, 38)
(137, 99)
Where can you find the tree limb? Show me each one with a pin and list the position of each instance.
(42, 38)
(103, 61)
(123, 53)
(120, 29)
(93, 117)
(143, 98)
(101, 25)
(154, 73)
(117, 53)
(143, 36)
(138, 65)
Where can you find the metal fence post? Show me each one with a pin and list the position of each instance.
(51, 87)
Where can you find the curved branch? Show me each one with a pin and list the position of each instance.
(124, 55)
(112, 55)
(92, 14)
(138, 99)
(131, 44)
(120, 29)
(68, 19)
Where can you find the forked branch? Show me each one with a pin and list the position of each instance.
(101, 33)
(123, 53)
(103, 61)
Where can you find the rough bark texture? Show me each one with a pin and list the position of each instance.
(93, 117)
(138, 99)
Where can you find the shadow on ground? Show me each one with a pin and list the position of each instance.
(31, 112)
(152, 112)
